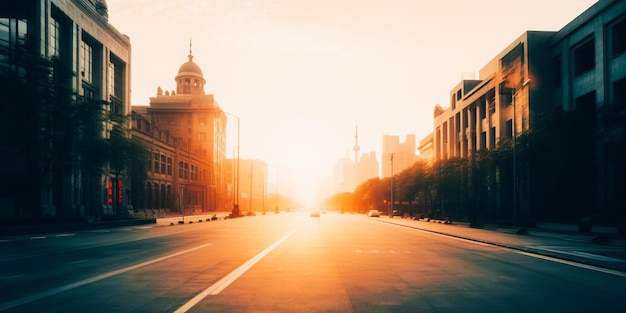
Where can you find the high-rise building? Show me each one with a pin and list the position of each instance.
(398, 156)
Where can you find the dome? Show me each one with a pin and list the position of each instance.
(190, 68)
(189, 79)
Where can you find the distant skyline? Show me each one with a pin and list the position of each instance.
(302, 74)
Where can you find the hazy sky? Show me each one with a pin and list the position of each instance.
(302, 74)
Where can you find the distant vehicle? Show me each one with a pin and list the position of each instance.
(396, 212)
(315, 213)
(373, 213)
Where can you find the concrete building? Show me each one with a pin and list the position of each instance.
(401, 154)
(425, 148)
(588, 62)
(79, 34)
(188, 143)
(581, 67)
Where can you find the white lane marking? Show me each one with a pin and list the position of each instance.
(231, 277)
(43, 294)
(587, 255)
(65, 235)
(534, 255)
(37, 237)
(589, 267)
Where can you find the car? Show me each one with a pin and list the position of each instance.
(373, 213)
(315, 213)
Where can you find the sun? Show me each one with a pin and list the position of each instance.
(303, 164)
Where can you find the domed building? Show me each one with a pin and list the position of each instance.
(187, 165)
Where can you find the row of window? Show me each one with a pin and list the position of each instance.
(162, 164)
(90, 50)
(584, 54)
(161, 196)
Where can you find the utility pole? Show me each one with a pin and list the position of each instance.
(391, 205)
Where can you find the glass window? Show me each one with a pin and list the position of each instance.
(618, 37)
(86, 62)
(55, 37)
(584, 57)
(156, 162)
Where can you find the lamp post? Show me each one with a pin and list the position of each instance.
(514, 126)
(235, 212)
(250, 206)
(391, 205)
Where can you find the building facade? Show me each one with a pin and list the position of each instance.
(186, 133)
(580, 68)
(78, 34)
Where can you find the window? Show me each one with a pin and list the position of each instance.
(492, 106)
(508, 129)
(89, 53)
(169, 166)
(483, 109)
(163, 164)
(156, 162)
(619, 95)
(618, 37)
(13, 32)
(86, 62)
(180, 169)
(116, 77)
(483, 141)
(55, 37)
(492, 138)
(584, 57)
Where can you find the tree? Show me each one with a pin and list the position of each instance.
(59, 139)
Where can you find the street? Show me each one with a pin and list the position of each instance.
(291, 262)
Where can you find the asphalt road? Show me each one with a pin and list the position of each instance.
(290, 263)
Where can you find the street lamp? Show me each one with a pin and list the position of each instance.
(235, 211)
(391, 205)
(514, 126)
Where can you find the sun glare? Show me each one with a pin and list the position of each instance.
(301, 164)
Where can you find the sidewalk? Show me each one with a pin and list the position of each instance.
(568, 246)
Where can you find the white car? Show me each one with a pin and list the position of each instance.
(373, 213)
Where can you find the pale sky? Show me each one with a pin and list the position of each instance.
(301, 74)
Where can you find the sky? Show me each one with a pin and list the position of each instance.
(302, 75)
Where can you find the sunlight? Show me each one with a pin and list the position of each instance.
(301, 164)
